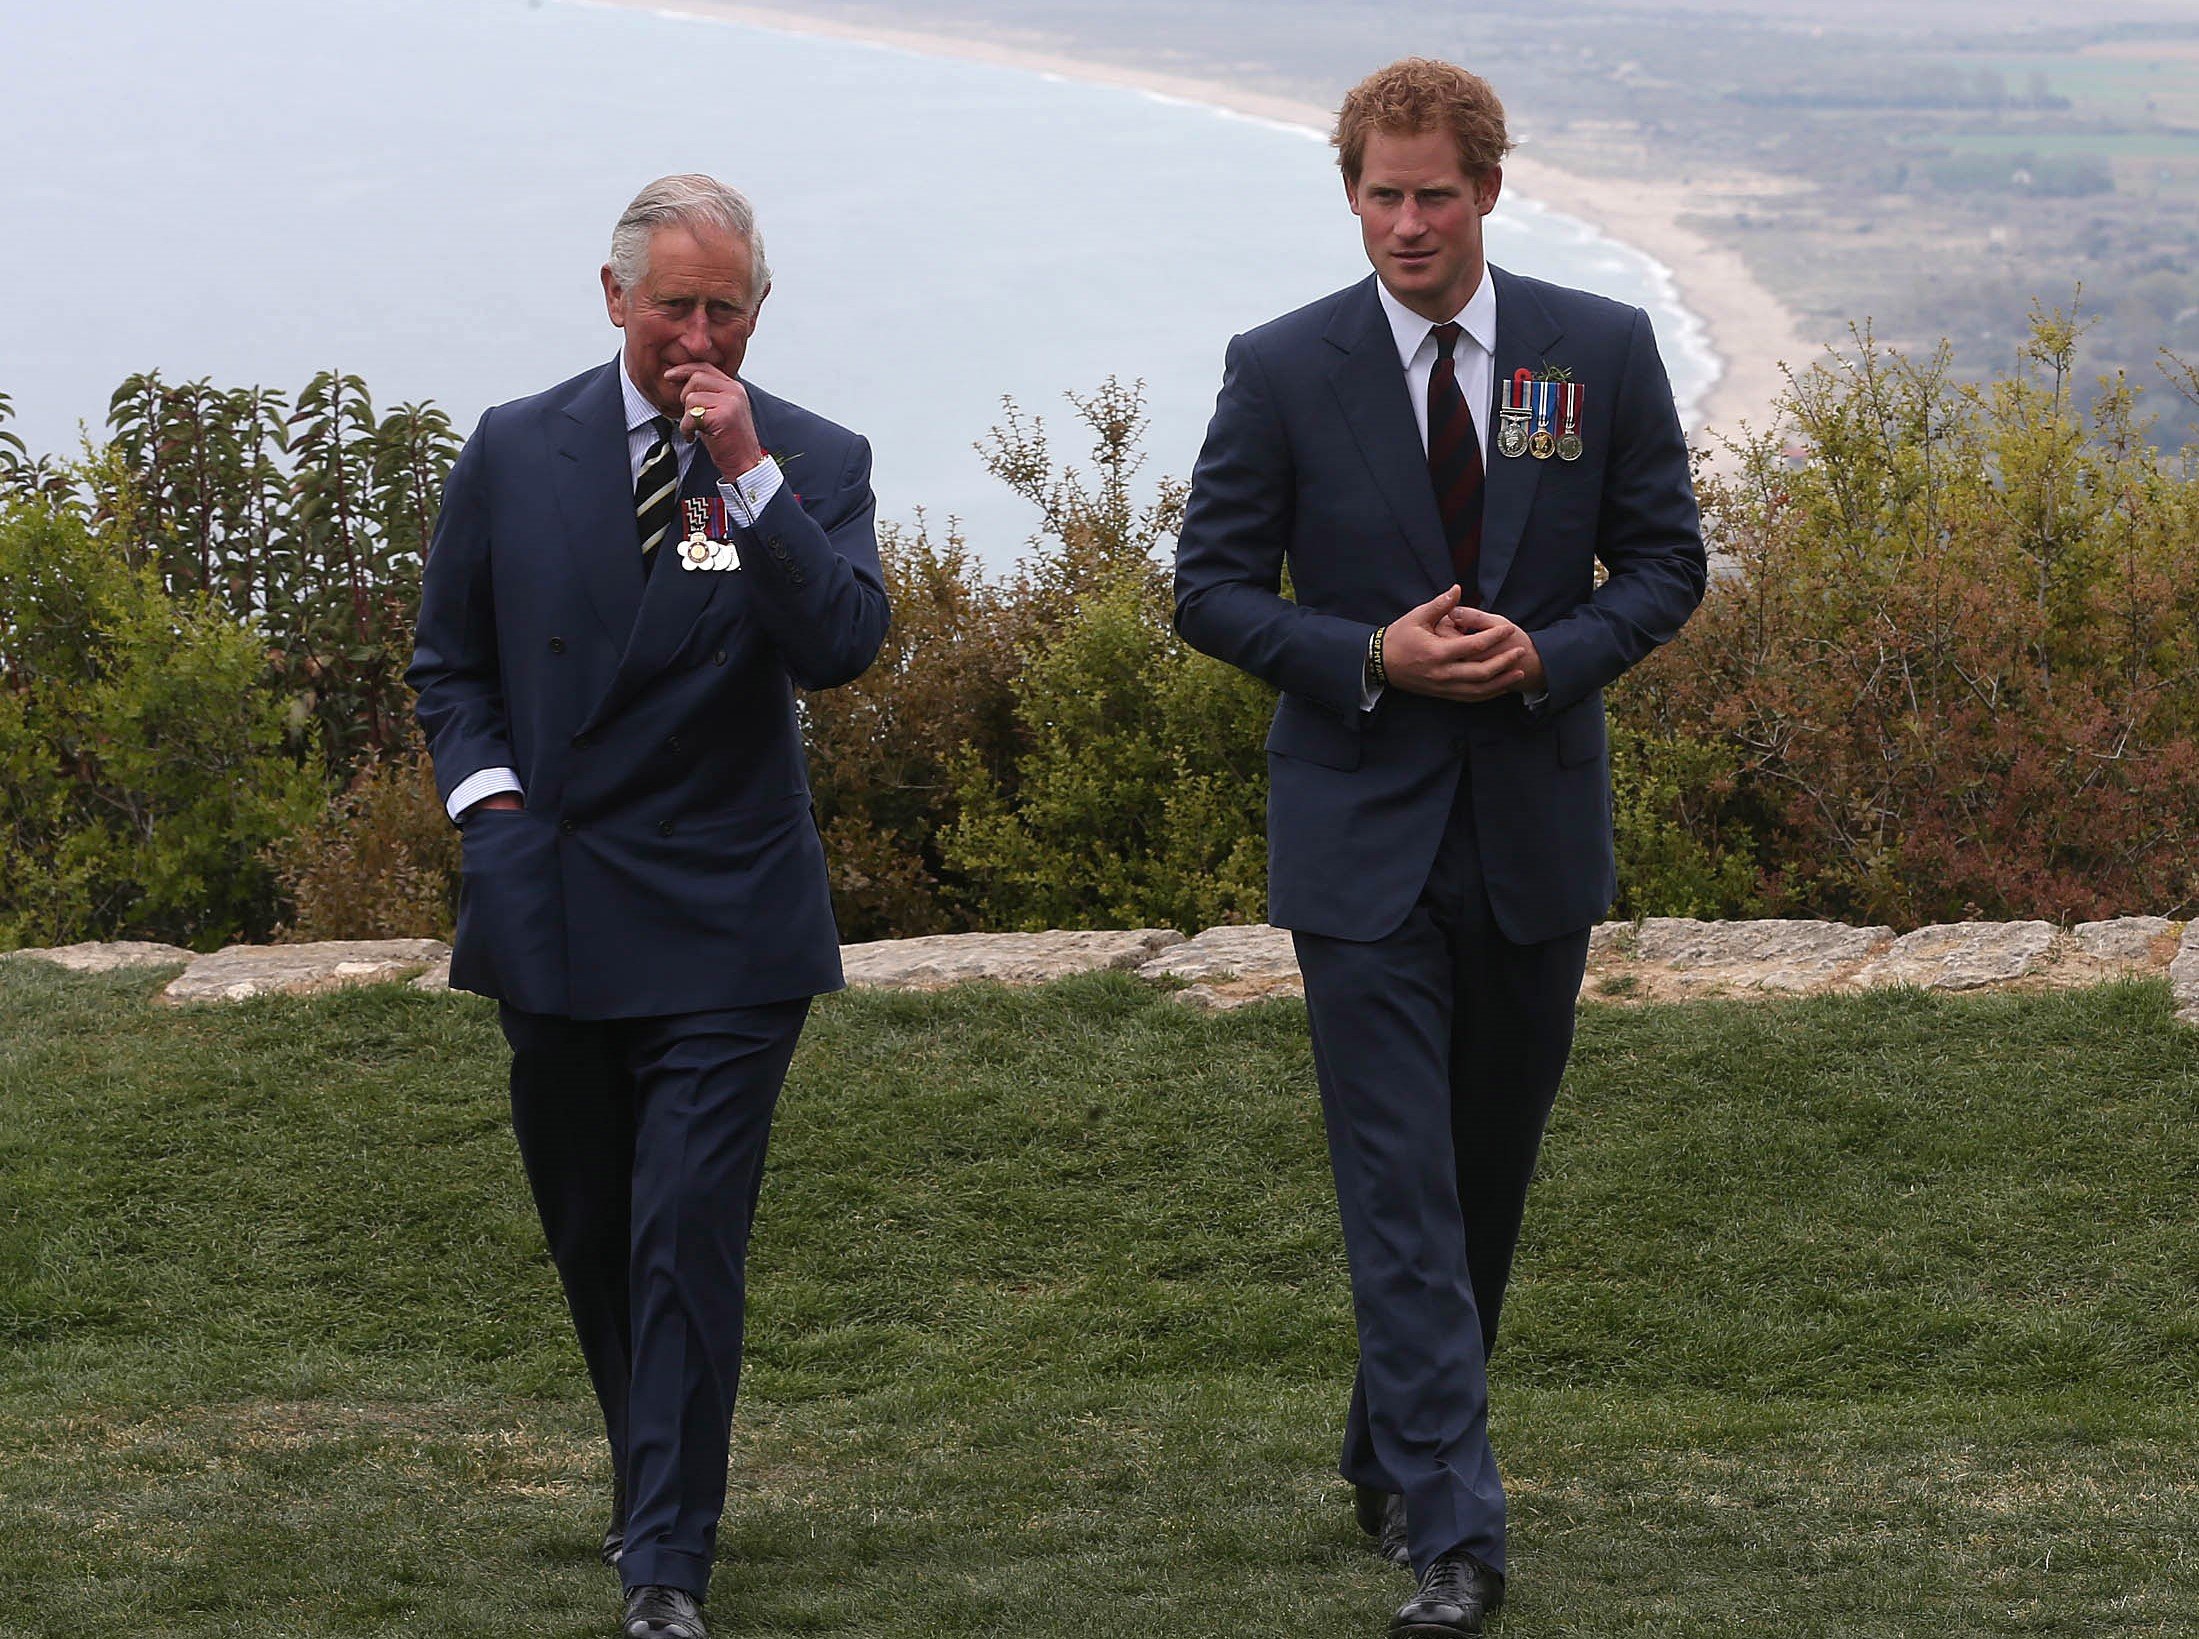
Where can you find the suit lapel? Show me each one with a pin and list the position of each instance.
(673, 600)
(1525, 334)
(674, 594)
(1370, 389)
(594, 484)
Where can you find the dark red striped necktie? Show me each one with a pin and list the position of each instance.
(1454, 461)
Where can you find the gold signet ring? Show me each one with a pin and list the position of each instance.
(696, 410)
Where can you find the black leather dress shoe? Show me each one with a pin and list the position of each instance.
(662, 1613)
(614, 1534)
(1456, 1592)
(1381, 1514)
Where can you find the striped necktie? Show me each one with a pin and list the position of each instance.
(657, 492)
(1454, 462)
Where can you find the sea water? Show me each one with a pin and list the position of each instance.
(421, 192)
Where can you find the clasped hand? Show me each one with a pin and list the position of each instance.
(1454, 651)
(715, 408)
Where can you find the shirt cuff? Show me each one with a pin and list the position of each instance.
(487, 783)
(747, 495)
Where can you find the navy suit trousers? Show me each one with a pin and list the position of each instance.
(644, 1145)
(1439, 1050)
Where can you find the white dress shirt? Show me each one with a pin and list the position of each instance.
(1473, 356)
(746, 495)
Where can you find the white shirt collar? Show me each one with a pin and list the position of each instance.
(639, 411)
(1478, 318)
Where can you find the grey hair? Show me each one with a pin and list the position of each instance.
(689, 200)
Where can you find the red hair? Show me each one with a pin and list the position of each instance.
(1416, 94)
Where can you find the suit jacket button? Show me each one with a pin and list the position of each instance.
(557, 645)
(567, 826)
(581, 742)
(664, 828)
(672, 742)
(718, 659)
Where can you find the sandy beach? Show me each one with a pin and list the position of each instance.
(1749, 330)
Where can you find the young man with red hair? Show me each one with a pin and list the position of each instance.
(1441, 455)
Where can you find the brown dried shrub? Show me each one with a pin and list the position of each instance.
(382, 863)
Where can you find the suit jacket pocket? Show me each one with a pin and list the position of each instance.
(1581, 733)
(511, 935)
(1314, 734)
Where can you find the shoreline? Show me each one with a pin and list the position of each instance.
(1749, 331)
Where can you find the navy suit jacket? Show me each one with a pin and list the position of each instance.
(1313, 458)
(666, 860)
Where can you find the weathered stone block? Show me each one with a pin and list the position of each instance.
(1611, 942)
(1230, 967)
(1006, 958)
(1257, 951)
(103, 956)
(1759, 954)
(1962, 955)
(2183, 975)
(2130, 941)
(243, 971)
(1225, 995)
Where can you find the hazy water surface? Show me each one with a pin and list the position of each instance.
(420, 191)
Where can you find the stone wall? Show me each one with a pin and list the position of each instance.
(1662, 959)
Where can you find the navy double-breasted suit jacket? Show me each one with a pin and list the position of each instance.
(666, 860)
(1313, 459)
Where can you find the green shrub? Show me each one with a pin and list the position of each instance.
(381, 862)
(142, 764)
(882, 749)
(1679, 852)
(1952, 663)
(1949, 666)
(309, 518)
(1139, 796)
(1135, 792)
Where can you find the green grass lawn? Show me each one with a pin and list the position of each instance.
(1875, 1316)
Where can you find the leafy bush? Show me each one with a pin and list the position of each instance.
(1138, 787)
(881, 749)
(381, 862)
(1139, 793)
(1953, 668)
(143, 769)
(1949, 666)
(1043, 750)
(1680, 850)
(308, 519)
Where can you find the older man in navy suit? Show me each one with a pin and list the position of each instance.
(1440, 802)
(632, 574)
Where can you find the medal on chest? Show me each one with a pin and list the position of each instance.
(1541, 415)
(707, 546)
(1543, 442)
(1569, 420)
(1512, 415)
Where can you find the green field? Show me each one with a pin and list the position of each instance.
(2114, 81)
(1848, 1317)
